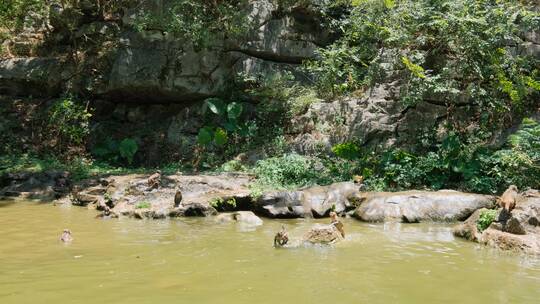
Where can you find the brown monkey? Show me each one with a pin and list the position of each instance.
(337, 223)
(66, 236)
(358, 179)
(508, 198)
(154, 180)
(281, 238)
(177, 197)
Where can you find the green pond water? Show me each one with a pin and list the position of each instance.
(200, 261)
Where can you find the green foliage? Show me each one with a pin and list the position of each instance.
(221, 204)
(346, 150)
(233, 166)
(68, 123)
(457, 163)
(200, 22)
(79, 167)
(451, 50)
(143, 205)
(127, 149)
(288, 171)
(520, 163)
(222, 121)
(12, 12)
(114, 152)
(485, 219)
(205, 136)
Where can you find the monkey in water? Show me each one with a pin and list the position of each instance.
(281, 238)
(154, 180)
(177, 197)
(66, 236)
(507, 201)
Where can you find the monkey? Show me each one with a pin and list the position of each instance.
(508, 198)
(358, 179)
(177, 197)
(66, 236)
(507, 201)
(337, 223)
(281, 238)
(154, 180)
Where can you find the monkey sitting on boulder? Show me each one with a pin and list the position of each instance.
(154, 181)
(281, 238)
(507, 201)
(177, 197)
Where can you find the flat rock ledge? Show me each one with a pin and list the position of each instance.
(521, 233)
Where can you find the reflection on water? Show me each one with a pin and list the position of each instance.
(200, 261)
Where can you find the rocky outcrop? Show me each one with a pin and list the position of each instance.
(309, 202)
(419, 206)
(322, 234)
(377, 118)
(122, 64)
(130, 195)
(520, 233)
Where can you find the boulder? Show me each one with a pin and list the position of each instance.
(322, 234)
(193, 209)
(309, 202)
(520, 233)
(243, 217)
(417, 206)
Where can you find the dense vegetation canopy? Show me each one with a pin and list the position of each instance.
(464, 55)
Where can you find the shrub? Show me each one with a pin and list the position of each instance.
(127, 149)
(346, 150)
(68, 123)
(221, 204)
(520, 163)
(485, 219)
(113, 151)
(287, 171)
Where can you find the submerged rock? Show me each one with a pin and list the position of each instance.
(323, 234)
(243, 217)
(520, 232)
(417, 206)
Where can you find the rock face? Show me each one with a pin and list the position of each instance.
(310, 202)
(520, 233)
(152, 66)
(322, 234)
(417, 206)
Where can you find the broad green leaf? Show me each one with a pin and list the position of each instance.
(220, 137)
(205, 136)
(216, 105)
(128, 147)
(234, 110)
